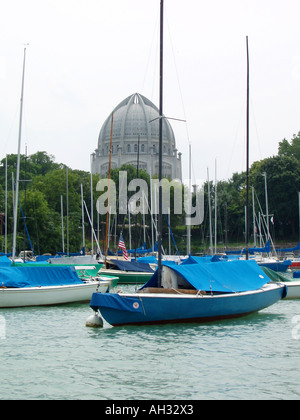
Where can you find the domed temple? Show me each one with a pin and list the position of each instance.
(136, 127)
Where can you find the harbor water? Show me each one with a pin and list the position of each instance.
(49, 353)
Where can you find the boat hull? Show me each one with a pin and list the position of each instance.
(280, 267)
(294, 265)
(127, 277)
(152, 308)
(293, 290)
(111, 280)
(49, 295)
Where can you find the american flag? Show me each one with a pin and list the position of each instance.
(123, 247)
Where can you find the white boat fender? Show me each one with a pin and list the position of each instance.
(94, 321)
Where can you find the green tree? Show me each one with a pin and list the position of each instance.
(283, 181)
(291, 148)
(42, 222)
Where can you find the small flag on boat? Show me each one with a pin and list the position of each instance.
(123, 247)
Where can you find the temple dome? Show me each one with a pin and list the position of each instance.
(136, 127)
(132, 119)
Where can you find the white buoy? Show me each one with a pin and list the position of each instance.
(94, 321)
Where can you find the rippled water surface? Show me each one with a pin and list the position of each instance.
(49, 353)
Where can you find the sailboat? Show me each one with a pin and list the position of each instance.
(22, 285)
(39, 286)
(128, 272)
(194, 291)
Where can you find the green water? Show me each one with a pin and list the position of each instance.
(49, 353)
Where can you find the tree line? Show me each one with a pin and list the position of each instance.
(43, 200)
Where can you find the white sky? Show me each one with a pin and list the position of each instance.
(85, 56)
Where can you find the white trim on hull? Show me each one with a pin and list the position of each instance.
(49, 295)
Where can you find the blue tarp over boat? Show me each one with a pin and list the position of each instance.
(266, 248)
(4, 260)
(140, 251)
(132, 266)
(296, 248)
(148, 260)
(37, 276)
(220, 276)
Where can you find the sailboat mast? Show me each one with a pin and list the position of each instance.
(62, 223)
(108, 189)
(67, 210)
(159, 242)
(136, 216)
(18, 163)
(247, 158)
(82, 216)
(188, 233)
(5, 246)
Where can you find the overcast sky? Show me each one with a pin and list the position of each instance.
(85, 56)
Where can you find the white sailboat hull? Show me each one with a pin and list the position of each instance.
(49, 295)
(293, 289)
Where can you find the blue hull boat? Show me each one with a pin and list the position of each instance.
(225, 294)
(279, 266)
(194, 291)
(159, 308)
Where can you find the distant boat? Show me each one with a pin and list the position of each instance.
(292, 286)
(251, 251)
(39, 286)
(269, 262)
(275, 264)
(292, 249)
(75, 259)
(86, 272)
(128, 272)
(295, 263)
(293, 290)
(192, 291)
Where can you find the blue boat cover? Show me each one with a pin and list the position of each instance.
(266, 248)
(151, 259)
(111, 300)
(205, 259)
(296, 248)
(43, 258)
(132, 266)
(296, 275)
(4, 260)
(140, 251)
(30, 276)
(219, 276)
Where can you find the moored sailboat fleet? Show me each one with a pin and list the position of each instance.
(194, 289)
